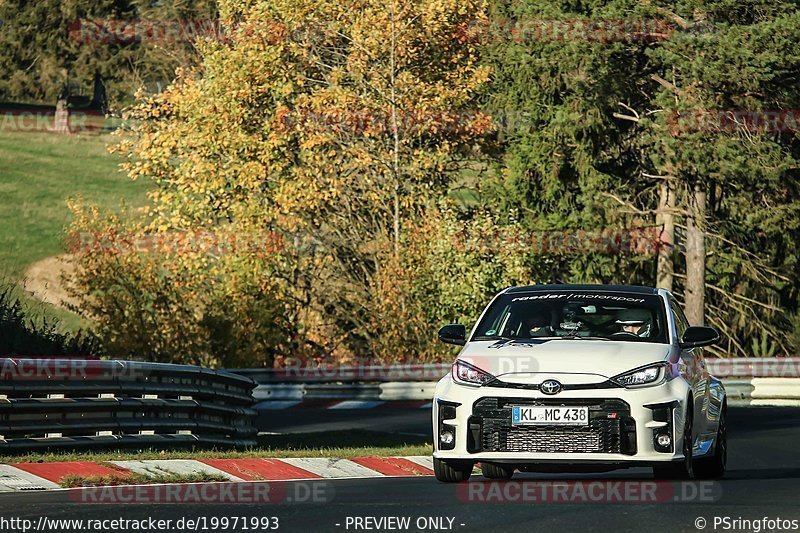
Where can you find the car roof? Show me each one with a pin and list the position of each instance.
(630, 289)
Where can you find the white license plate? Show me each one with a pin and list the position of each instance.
(549, 416)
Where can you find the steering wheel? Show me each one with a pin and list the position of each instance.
(624, 334)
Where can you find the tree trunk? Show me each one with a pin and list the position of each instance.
(61, 118)
(696, 257)
(396, 138)
(665, 267)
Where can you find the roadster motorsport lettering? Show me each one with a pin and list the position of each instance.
(559, 296)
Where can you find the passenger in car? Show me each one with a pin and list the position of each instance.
(538, 326)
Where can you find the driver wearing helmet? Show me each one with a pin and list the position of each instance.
(635, 321)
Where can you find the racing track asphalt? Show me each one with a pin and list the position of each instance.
(763, 481)
(385, 419)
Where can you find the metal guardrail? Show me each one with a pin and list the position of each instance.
(748, 380)
(389, 391)
(763, 391)
(734, 367)
(751, 391)
(340, 374)
(69, 403)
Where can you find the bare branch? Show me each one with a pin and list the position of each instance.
(638, 211)
(666, 84)
(625, 117)
(629, 108)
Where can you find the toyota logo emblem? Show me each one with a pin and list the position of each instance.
(550, 386)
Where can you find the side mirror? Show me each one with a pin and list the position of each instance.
(453, 334)
(696, 336)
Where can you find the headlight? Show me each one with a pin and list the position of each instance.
(469, 375)
(642, 376)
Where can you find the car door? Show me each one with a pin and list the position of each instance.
(694, 370)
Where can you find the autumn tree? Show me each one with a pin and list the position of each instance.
(334, 125)
(635, 124)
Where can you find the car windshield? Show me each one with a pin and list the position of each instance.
(575, 315)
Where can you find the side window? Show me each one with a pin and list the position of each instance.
(681, 324)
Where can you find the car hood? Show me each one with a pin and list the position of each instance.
(569, 361)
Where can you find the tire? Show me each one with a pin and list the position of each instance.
(680, 469)
(452, 471)
(714, 467)
(493, 471)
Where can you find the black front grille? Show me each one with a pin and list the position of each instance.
(611, 429)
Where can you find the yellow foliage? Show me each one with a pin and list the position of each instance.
(333, 124)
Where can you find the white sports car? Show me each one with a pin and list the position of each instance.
(588, 378)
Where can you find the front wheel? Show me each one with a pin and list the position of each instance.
(681, 469)
(492, 471)
(452, 471)
(714, 467)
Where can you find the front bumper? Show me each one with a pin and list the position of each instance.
(622, 430)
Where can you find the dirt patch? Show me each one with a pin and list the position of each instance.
(45, 280)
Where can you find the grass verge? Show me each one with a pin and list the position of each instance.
(38, 173)
(338, 444)
(73, 480)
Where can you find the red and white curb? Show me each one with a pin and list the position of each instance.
(44, 476)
